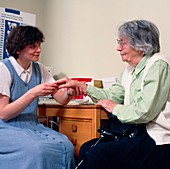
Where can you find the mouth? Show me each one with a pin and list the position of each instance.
(123, 56)
(36, 55)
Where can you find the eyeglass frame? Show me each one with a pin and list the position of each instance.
(121, 42)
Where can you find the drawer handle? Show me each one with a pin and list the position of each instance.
(74, 141)
(74, 128)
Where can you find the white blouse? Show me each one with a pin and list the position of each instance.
(5, 77)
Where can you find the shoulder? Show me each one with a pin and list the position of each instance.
(3, 68)
(160, 65)
(157, 62)
(159, 58)
(46, 76)
(42, 67)
(5, 80)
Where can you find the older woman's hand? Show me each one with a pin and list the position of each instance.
(74, 87)
(107, 105)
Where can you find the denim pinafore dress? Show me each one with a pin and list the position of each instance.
(24, 142)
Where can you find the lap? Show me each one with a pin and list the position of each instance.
(37, 148)
(38, 138)
(126, 153)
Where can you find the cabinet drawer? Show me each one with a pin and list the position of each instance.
(78, 131)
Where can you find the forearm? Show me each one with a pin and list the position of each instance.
(68, 89)
(62, 96)
(115, 93)
(13, 109)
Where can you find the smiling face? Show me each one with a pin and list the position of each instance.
(22, 38)
(128, 53)
(28, 54)
(31, 52)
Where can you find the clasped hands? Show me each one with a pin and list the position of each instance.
(78, 88)
(74, 87)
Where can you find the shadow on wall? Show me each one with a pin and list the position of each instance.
(59, 76)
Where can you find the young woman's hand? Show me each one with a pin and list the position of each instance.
(44, 89)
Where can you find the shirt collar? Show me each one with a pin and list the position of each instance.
(142, 64)
(18, 68)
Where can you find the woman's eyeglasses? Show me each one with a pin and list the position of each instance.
(121, 42)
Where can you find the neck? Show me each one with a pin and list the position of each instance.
(25, 65)
(137, 60)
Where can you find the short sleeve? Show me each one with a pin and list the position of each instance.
(5, 80)
(46, 76)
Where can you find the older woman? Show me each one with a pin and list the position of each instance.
(138, 103)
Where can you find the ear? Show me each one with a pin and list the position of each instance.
(141, 53)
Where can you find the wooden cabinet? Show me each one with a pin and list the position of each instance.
(77, 131)
(78, 122)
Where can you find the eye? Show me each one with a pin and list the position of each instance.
(121, 42)
(35, 46)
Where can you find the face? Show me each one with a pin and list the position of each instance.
(30, 52)
(128, 54)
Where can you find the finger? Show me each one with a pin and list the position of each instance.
(77, 91)
(60, 83)
(63, 86)
(49, 85)
(81, 90)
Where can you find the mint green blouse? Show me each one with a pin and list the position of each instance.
(145, 104)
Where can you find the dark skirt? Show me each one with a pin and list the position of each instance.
(126, 152)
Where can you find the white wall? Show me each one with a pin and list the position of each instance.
(81, 34)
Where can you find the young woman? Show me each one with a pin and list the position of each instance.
(25, 143)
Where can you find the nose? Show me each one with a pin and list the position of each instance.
(38, 48)
(119, 47)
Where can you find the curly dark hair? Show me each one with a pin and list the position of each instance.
(22, 36)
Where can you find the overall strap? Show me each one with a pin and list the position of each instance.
(19, 87)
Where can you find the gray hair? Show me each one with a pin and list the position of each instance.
(142, 35)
